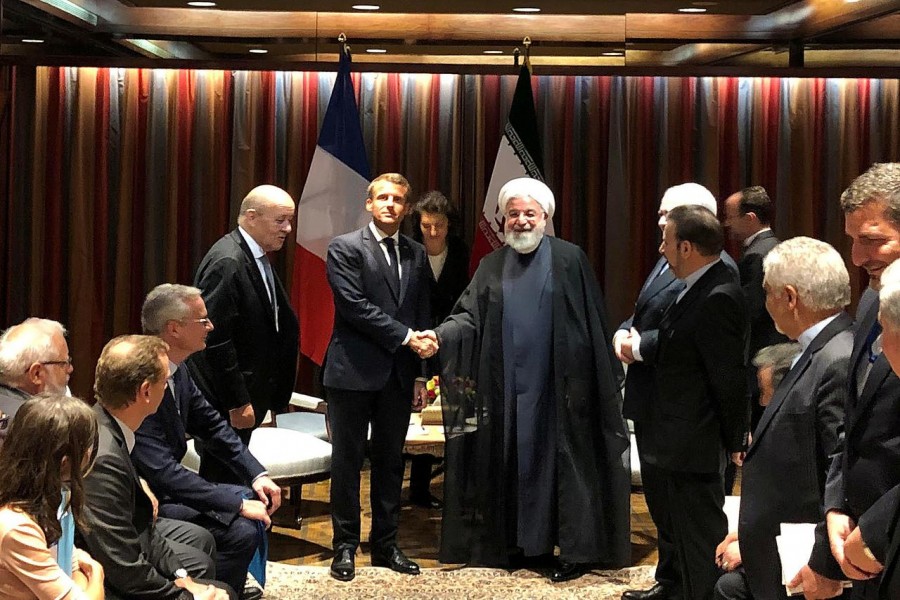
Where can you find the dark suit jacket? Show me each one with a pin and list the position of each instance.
(762, 328)
(137, 560)
(447, 289)
(701, 378)
(869, 464)
(11, 399)
(656, 295)
(787, 462)
(161, 443)
(246, 360)
(371, 315)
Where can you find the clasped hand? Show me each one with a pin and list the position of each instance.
(424, 343)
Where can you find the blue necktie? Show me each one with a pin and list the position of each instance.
(870, 342)
(395, 267)
(65, 547)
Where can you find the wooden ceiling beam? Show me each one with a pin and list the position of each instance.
(148, 22)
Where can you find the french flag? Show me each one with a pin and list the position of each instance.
(332, 203)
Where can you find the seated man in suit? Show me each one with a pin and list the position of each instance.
(119, 531)
(34, 358)
(807, 287)
(177, 314)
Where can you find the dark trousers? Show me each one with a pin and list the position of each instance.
(236, 542)
(733, 586)
(695, 504)
(195, 549)
(668, 573)
(350, 414)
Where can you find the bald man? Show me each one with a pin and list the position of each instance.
(250, 362)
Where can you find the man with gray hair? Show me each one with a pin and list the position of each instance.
(772, 364)
(807, 287)
(249, 365)
(869, 464)
(177, 314)
(635, 344)
(34, 358)
(536, 440)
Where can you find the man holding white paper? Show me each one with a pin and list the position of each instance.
(806, 289)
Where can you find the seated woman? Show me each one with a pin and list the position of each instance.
(49, 447)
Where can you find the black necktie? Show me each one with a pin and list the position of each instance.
(392, 257)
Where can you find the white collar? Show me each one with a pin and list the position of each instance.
(380, 235)
(806, 338)
(255, 249)
(128, 433)
(694, 277)
(750, 239)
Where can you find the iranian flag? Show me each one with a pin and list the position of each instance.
(519, 155)
(332, 204)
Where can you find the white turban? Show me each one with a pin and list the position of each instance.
(688, 194)
(526, 187)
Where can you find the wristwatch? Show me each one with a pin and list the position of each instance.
(181, 573)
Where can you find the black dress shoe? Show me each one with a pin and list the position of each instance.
(566, 571)
(343, 567)
(394, 559)
(657, 592)
(428, 501)
(251, 593)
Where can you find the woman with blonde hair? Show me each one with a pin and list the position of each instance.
(50, 446)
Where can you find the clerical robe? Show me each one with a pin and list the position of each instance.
(590, 484)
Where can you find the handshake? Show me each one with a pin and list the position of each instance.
(424, 343)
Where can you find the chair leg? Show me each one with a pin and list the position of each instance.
(296, 497)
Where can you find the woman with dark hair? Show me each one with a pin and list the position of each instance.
(448, 257)
(447, 253)
(50, 446)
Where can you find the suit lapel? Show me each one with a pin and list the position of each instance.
(839, 324)
(406, 266)
(256, 277)
(860, 352)
(659, 283)
(378, 252)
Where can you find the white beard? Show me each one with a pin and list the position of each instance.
(525, 242)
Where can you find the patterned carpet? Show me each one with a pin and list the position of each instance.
(290, 581)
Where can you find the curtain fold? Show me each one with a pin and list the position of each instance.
(119, 179)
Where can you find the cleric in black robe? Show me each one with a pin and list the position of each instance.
(536, 446)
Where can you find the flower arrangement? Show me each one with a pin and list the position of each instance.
(433, 390)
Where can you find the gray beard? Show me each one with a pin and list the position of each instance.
(525, 242)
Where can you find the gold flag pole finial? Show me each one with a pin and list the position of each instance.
(527, 43)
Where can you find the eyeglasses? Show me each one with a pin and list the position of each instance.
(204, 322)
(62, 363)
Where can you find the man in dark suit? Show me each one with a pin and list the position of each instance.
(138, 561)
(874, 546)
(748, 215)
(177, 314)
(807, 287)
(379, 279)
(657, 294)
(869, 464)
(249, 365)
(700, 415)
